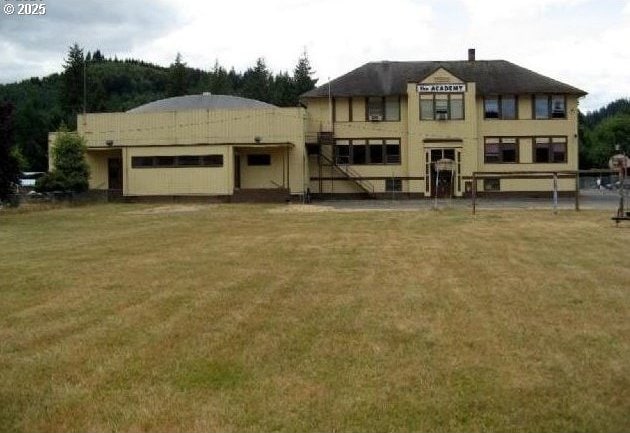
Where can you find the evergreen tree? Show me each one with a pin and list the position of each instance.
(283, 91)
(302, 76)
(256, 82)
(178, 79)
(220, 83)
(9, 163)
(72, 90)
(71, 171)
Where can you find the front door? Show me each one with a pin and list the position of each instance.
(443, 188)
(114, 173)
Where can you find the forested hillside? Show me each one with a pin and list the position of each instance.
(603, 129)
(42, 105)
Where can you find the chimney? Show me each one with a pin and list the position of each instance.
(471, 54)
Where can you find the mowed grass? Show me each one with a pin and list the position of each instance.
(250, 318)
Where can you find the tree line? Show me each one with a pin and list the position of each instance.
(41, 105)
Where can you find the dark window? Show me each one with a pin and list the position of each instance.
(376, 151)
(141, 161)
(492, 184)
(442, 106)
(259, 159)
(188, 160)
(212, 160)
(550, 150)
(342, 152)
(558, 110)
(371, 151)
(358, 152)
(491, 107)
(165, 161)
(501, 150)
(393, 185)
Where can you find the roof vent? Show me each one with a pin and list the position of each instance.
(471, 54)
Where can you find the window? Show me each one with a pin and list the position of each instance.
(550, 149)
(371, 151)
(259, 159)
(499, 107)
(141, 161)
(442, 106)
(393, 185)
(358, 151)
(164, 161)
(383, 108)
(492, 184)
(549, 107)
(498, 150)
(342, 152)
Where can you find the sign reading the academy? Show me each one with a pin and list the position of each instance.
(442, 88)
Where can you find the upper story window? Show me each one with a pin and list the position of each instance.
(442, 106)
(500, 107)
(550, 107)
(383, 108)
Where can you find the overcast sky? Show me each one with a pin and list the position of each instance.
(585, 43)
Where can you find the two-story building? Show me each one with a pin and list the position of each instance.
(407, 129)
(424, 128)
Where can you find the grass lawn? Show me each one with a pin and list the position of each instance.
(251, 317)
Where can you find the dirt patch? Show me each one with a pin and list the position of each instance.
(160, 210)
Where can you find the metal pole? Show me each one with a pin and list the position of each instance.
(555, 192)
(437, 179)
(474, 192)
(577, 190)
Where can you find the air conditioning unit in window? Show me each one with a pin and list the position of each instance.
(441, 116)
(375, 117)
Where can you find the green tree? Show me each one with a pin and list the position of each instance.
(257, 82)
(283, 90)
(220, 83)
(603, 138)
(71, 172)
(9, 163)
(178, 80)
(302, 76)
(72, 89)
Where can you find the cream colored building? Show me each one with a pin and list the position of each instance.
(408, 129)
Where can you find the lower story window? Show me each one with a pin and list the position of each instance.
(550, 149)
(371, 151)
(167, 161)
(492, 184)
(501, 150)
(393, 185)
(259, 159)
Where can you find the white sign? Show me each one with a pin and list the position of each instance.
(442, 88)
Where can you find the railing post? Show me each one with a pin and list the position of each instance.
(555, 193)
(474, 192)
(577, 190)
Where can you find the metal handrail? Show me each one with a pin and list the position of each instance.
(351, 174)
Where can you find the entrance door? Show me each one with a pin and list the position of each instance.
(445, 186)
(114, 173)
(237, 171)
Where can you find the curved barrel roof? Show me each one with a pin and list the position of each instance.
(204, 101)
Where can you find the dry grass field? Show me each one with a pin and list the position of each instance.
(251, 318)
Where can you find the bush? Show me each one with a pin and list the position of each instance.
(71, 171)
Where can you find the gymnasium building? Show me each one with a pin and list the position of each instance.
(385, 129)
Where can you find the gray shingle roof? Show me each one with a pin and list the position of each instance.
(491, 76)
(205, 101)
